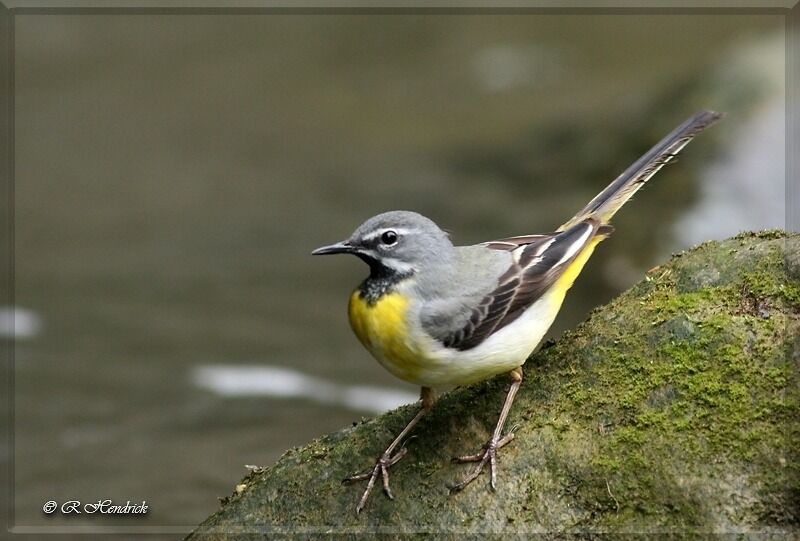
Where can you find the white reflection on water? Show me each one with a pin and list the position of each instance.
(746, 189)
(273, 381)
(16, 322)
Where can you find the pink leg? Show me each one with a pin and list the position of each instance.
(386, 460)
(488, 455)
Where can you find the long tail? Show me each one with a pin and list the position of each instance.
(616, 194)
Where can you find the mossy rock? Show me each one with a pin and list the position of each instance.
(674, 408)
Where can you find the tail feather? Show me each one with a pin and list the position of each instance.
(616, 194)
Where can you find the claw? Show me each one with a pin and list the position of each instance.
(489, 452)
(468, 458)
(505, 440)
(357, 477)
(363, 501)
(467, 480)
(397, 457)
(387, 459)
(381, 468)
(385, 479)
(487, 456)
(493, 470)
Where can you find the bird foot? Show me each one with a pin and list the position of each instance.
(382, 465)
(487, 456)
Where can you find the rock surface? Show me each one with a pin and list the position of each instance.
(674, 408)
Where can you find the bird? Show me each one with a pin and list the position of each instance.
(439, 315)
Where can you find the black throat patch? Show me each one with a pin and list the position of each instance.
(381, 280)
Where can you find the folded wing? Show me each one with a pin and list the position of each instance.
(537, 262)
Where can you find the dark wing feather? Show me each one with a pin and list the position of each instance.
(538, 263)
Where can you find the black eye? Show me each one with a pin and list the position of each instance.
(388, 238)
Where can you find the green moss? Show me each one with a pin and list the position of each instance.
(762, 284)
(697, 387)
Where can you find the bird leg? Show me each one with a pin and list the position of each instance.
(488, 455)
(386, 460)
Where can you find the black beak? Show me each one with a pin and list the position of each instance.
(343, 247)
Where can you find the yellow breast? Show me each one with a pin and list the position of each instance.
(381, 327)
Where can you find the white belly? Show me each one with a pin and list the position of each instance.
(503, 351)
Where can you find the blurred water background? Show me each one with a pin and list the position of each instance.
(173, 172)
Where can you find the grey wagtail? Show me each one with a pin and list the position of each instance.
(438, 315)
